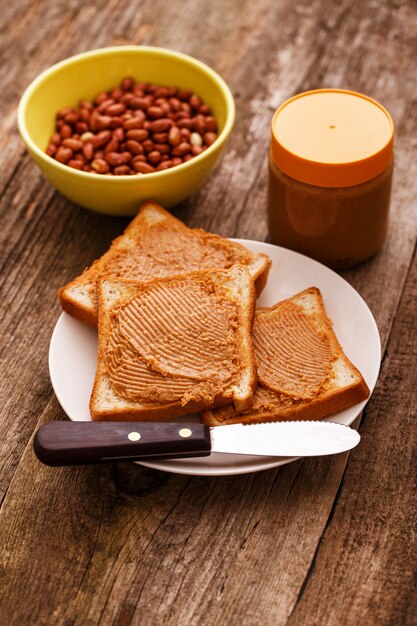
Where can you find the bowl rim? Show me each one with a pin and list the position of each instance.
(163, 52)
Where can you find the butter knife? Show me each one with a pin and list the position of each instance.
(78, 443)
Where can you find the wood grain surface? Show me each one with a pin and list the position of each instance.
(318, 542)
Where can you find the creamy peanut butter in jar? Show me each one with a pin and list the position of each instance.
(330, 172)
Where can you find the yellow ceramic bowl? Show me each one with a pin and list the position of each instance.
(85, 75)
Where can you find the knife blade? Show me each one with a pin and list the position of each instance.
(78, 443)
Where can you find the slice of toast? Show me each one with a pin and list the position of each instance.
(156, 244)
(175, 345)
(302, 370)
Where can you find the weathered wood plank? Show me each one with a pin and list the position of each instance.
(125, 545)
(88, 545)
(364, 571)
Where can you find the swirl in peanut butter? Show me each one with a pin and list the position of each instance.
(302, 352)
(172, 342)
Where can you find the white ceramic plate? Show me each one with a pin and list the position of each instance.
(73, 352)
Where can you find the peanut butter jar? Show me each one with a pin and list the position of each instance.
(330, 172)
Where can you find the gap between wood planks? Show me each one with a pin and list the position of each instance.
(360, 423)
(382, 580)
(357, 423)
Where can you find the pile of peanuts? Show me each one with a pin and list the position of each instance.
(137, 128)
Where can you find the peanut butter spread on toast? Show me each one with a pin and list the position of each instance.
(165, 249)
(294, 356)
(172, 342)
(293, 353)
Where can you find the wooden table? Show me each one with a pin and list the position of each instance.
(318, 542)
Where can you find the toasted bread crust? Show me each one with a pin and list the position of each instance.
(245, 332)
(149, 214)
(156, 413)
(261, 277)
(74, 308)
(308, 410)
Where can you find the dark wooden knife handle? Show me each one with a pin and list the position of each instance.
(78, 443)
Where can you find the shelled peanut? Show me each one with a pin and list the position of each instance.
(136, 128)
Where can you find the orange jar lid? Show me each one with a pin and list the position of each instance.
(332, 138)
